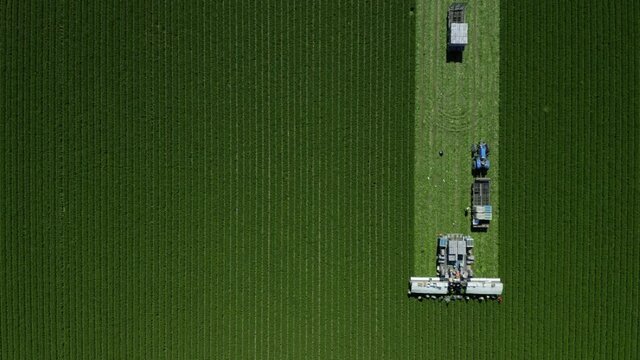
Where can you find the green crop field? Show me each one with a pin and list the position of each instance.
(456, 105)
(569, 137)
(240, 180)
(205, 179)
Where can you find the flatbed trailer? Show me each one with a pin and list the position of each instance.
(457, 27)
(481, 209)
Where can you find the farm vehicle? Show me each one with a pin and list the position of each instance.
(457, 27)
(481, 209)
(480, 155)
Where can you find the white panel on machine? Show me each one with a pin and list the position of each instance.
(459, 33)
(428, 286)
(484, 286)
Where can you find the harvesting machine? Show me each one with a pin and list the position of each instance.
(455, 280)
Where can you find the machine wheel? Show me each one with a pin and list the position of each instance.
(487, 146)
(474, 149)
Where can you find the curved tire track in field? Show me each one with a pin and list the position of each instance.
(454, 118)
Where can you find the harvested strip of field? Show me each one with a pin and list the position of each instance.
(456, 105)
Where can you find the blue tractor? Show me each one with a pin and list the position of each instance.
(480, 155)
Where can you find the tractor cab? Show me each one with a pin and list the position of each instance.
(480, 155)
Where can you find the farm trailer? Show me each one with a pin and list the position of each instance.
(481, 209)
(457, 27)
